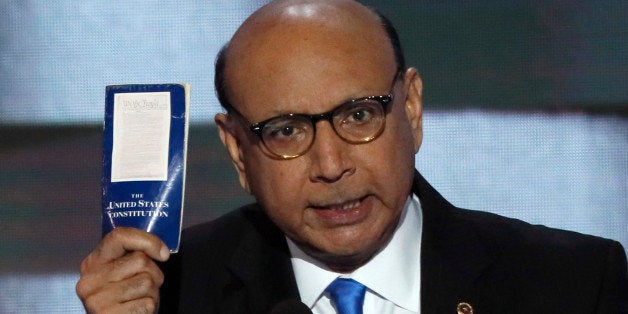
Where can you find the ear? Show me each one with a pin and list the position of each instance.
(229, 138)
(414, 105)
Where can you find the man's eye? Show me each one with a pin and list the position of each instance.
(284, 131)
(360, 115)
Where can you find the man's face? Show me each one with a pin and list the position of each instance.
(339, 202)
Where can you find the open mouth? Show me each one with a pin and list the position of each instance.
(345, 206)
(345, 213)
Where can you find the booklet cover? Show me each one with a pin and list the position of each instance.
(144, 157)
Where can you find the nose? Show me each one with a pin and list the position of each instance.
(329, 157)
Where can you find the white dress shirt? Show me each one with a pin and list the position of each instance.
(392, 276)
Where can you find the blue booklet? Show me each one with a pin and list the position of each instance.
(144, 157)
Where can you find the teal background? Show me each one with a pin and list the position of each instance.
(517, 55)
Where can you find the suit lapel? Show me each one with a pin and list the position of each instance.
(452, 254)
(262, 262)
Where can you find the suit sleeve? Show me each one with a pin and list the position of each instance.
(169, 292)
(613, 297)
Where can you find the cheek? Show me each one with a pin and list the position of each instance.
(396, 142)
(281, 196)
(402, 139)
(278, 185)
(391, 162)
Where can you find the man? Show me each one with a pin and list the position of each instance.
(323, 123)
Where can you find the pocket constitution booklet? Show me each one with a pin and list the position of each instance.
(144, 158)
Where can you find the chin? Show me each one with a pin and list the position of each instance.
(346, 260)
(354, 251)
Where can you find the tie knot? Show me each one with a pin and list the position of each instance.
(347, 295)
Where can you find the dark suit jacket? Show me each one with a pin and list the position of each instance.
(240, 263)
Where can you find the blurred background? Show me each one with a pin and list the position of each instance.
(526, 115)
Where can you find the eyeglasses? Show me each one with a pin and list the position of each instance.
(356, 121)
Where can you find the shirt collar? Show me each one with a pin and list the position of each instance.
(393, 273)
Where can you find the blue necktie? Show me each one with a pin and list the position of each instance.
(347, 295)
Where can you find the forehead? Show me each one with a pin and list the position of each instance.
(304, 60)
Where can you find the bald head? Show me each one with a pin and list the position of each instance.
(322, 59)
(340, 15)
(271, 39)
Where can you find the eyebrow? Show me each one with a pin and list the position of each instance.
(347, 100)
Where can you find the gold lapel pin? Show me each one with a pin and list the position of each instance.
(464, 308)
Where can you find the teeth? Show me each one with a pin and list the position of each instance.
(345, 206)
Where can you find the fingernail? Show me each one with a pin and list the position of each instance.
(165, 253)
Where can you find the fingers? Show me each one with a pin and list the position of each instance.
(117, 270)
(121, 275)
(122, 240)
(141, 306)
(138, 294)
